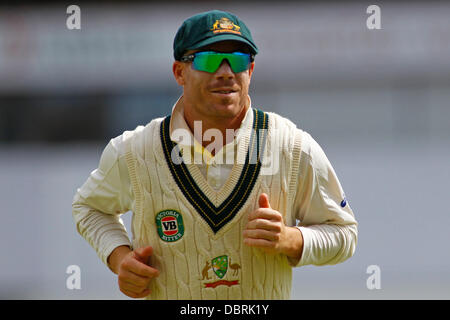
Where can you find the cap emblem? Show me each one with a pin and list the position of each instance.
(225, 25)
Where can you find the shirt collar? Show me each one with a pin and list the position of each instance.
(182, 134)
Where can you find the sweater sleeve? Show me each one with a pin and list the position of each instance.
(327, 222)
(99, 202)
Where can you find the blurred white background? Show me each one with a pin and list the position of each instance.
(377, 101)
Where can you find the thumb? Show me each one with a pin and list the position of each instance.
(143, 254)
(264, 201)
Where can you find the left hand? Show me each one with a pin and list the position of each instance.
(266, 230)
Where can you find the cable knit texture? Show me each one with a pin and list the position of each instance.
(186, 266)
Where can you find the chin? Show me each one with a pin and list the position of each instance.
(226, 109)
(228, 104)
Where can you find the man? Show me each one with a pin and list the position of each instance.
(214, 220)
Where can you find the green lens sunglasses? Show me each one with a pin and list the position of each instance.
(210, 61)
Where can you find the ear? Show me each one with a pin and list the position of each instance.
(178, 72)
(250, 70)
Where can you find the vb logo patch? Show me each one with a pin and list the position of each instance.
(170, 225)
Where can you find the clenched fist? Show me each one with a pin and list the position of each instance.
(133, 270)
(265, 229)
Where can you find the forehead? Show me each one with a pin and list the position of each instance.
(224, 46)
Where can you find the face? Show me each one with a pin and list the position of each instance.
(222, 94)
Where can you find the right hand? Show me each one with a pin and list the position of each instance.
(134, 272)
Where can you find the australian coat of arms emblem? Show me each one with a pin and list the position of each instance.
(225, 25)
(220, 266)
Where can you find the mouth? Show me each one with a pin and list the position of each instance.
(224, 91)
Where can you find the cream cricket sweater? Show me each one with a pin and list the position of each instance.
(196, 230)
(199, 247)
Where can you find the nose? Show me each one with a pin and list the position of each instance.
(224, 71)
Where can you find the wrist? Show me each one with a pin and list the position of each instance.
(116, 257)
(294, 243)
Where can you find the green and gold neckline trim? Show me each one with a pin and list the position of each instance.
(217, 217)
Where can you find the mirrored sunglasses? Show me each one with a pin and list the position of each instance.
(210, 61)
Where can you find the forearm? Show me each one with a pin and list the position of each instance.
(104, 232)
(327, 244)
